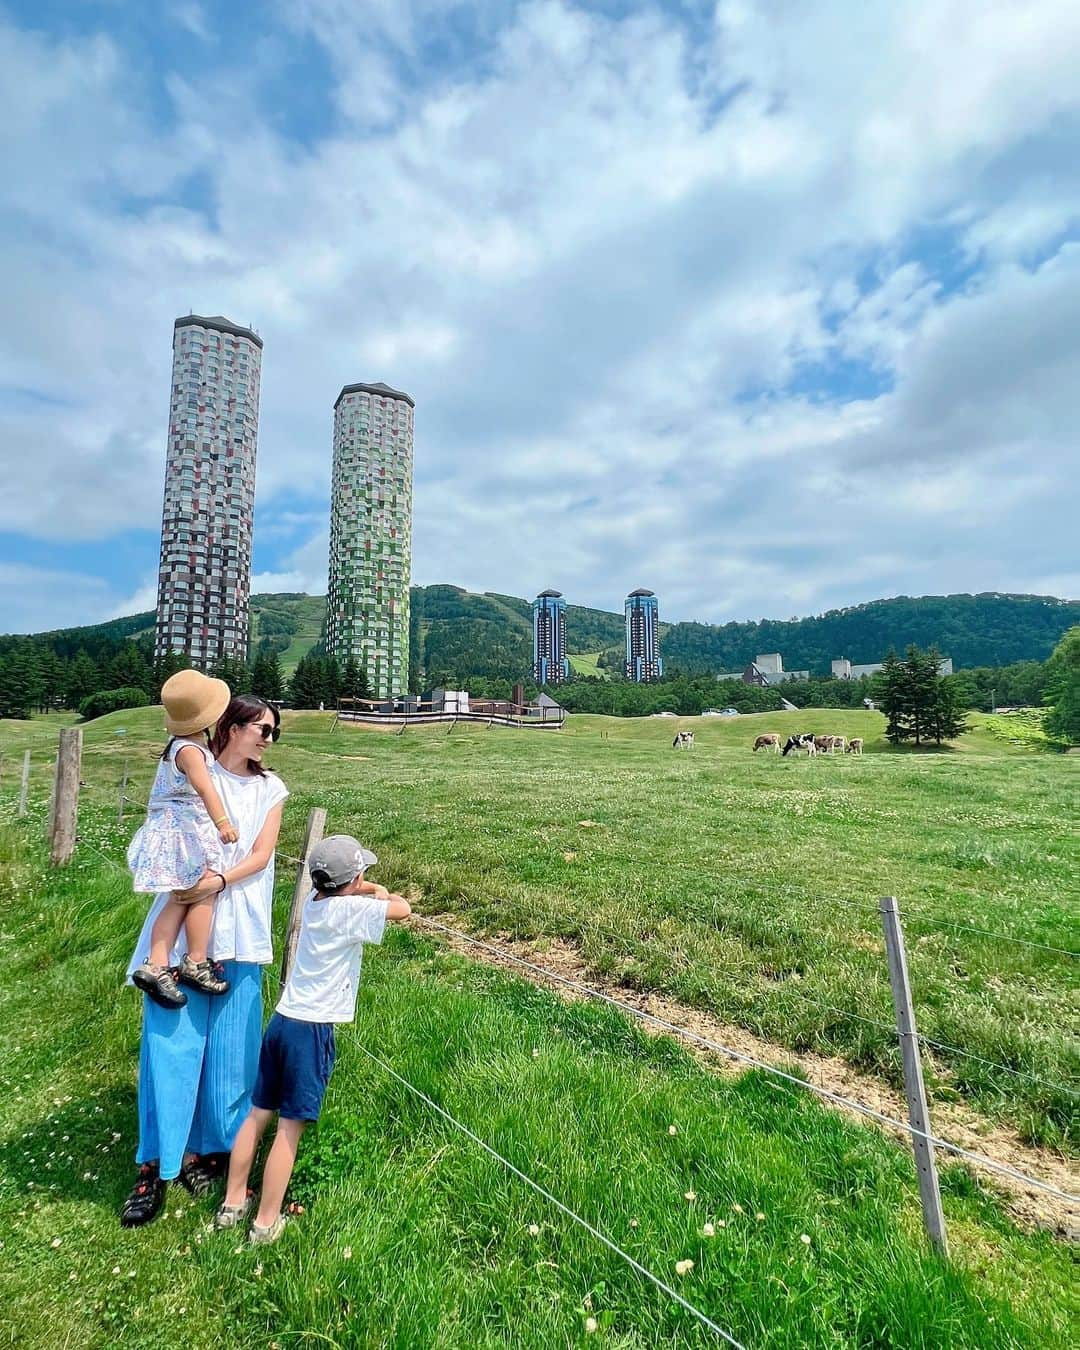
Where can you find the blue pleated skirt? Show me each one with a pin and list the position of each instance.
(197, 1068)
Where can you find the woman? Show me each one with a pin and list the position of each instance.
(197, 1064)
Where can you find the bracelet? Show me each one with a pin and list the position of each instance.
(219, 821)
(223, 885)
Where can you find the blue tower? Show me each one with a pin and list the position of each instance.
(643, 661)
(550, 665)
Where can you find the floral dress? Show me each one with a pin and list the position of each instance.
(178, 841)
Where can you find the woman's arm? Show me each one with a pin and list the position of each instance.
(261, 852)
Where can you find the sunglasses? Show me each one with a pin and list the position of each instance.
(267, 730)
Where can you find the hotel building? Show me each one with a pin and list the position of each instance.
(550, 665)
(643, 661)
(204, 576)
(367, 605)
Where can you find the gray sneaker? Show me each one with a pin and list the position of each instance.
(262, 1237)
(158, 983)
(202, 975)
(232, 1216)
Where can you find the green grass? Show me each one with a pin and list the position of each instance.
(585, 663)
(742, 884)
(413, 1236)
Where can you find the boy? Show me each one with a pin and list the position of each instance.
(342, 913)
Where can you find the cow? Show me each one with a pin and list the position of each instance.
(769, 741)
(854, 746)
(835, 743)
(684, 740)
(821, 744)
(802, 742)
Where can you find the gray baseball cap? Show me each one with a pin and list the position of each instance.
(337, 860)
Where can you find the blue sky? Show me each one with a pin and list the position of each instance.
(767, 307)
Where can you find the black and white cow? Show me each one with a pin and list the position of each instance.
(684, 740)
(805, 741)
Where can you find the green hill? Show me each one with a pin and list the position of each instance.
(457, 634)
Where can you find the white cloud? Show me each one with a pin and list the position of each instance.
(610, 261)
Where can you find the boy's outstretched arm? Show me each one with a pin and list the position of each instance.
(397, 907)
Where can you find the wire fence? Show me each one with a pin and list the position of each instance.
(785, 1081)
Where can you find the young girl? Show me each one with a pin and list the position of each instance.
(181, 839)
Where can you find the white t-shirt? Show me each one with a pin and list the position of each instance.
(325, 975)
(242, 913)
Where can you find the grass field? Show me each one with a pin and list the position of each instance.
(585, 663)
(707, 876)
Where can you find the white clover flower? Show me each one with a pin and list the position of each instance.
(737, 1208)
(347, 1253)
(684, 1267)
(760, 1217)
(633, 1223)
(534, 1230)
(707, 1230)
(56, 1242)
(535, 1053)
(116, 1270)
(258, 1270)
(690, 1196)
(673, 1129)
(804, 1238)
(591, 1325)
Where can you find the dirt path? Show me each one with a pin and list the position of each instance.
(952, 1121)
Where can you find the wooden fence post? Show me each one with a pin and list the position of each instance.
(25, 784)
(65, 812)
(918, 1115)
(316, 827)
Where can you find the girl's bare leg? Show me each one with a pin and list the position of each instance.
(198, 924)
(172, 918)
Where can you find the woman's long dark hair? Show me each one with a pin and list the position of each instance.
(242, 709)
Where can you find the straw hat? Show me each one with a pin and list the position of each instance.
(193, 701)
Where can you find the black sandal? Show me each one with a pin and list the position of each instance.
(202, 1171)
(145, 1199)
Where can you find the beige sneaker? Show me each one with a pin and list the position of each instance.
(262, 1237)
(232, 1216)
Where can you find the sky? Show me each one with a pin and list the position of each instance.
(771, 306)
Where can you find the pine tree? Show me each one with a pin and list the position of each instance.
(53, 673)
(331, 681)
(306, 685)
(892, 697)
(947, 720)
(266, 678)
(922, 689)
(83, 679)
(21, 685)
(128, 670)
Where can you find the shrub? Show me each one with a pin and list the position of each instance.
(111, 700)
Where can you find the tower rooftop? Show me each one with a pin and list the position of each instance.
(382, 389)
(220, 324)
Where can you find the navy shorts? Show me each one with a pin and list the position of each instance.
(295, 1063)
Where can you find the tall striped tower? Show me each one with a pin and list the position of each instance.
(367, 606)
(204, 577)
